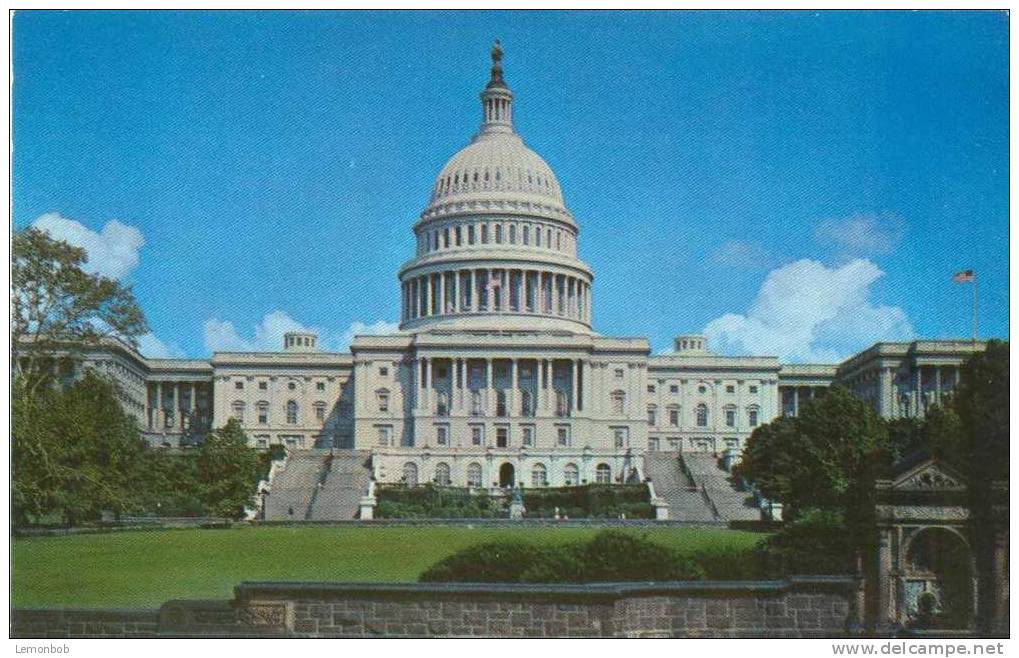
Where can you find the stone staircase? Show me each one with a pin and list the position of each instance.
(345, 482)
(318, 485)
(685, 501)
(720, 488)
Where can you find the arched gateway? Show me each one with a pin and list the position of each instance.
(506, 473)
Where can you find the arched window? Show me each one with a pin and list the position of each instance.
(442, 474)
(702, 415)
(292, 412)
(603, 474)
(618, 402)
(539, 476)
(474, 474)
(410, 474)
(571, 475)
(753, 416)
(238, 409)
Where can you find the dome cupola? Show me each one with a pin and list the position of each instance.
(496, 246)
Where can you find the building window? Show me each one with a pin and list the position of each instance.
(320, 386)
(650, 388)
(702, 415)
(475, 403)
(563, 436)
(571, 475)
(292, 386)
(238, 408)
(673, 388)
(484, 234)
(603, 474)
(320, 411)
(474, 475)
(674, 417)
(442, 404)
(385, 435)
(477, 435)
(410, 474)
(263, 385)
(501, 437)
(653, 444)
(621, 436)
(263, 413)
(753, 389)
(383, 371)
(382, 396)
(292, 412)
(470, 234)
(702, 389)
(652, 414)
(442, 474)
(526, 408)
(527, 436)
(730, 389)
(562, 409)
(441, 435)
(539, 476)
(527, 235)
(500, 404)
(752, 417)
(262, 441)
(619, 373)
(618, 402)
(239, 385)
(498, 234)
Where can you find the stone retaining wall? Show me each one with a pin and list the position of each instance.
(817, 606)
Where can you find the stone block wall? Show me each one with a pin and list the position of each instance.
(799, 607)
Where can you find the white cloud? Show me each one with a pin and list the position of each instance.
(805, 311)
(153, 348)
(737, 253)
(267, 335)
(862, 235)
(112, 252)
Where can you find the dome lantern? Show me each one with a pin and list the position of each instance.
(496, 100)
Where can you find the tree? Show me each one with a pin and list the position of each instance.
(56, 305)
(981, 402)
(823, 458)
(227, 471)
(75, 451)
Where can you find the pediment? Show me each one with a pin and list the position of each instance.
(929, 476)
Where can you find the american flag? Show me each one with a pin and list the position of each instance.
(963, 276)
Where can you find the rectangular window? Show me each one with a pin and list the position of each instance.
(238, 385)
(562, 436)
(619, 373)
(753, 389)
(263, 385)
(457, 230)
(674, 417)
(730, 389)
(384, 401)
(527, 235)
(673, 388)
(621, 436)
(442, 435)
(513, 234)
(652, 416)
(650, 388)
(320, 386)
(753, 417)
(527, 436)
(320, 412)
(477, 435)
(385, 435)
(470, 234)
(498, 234)
(484, 234)
(262, 441)
(263, 415)
(501, 437)
(652, 444)
(730, 418)
(383, 372)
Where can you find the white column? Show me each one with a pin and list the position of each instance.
(937, 384)
(489, 388)
(474, 291)
(158, 420)
(575, 377)
(456, 291)
(419, 374)
(442, 293)
(526, 288)
(918, 394)
(178, 418)
(796, 400)
(194, 403)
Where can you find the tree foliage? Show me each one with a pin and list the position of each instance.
(822, 458)
(56, 304)
(227, 470)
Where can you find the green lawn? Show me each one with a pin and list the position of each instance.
(147, 568)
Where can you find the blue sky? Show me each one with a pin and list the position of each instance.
(796, 183)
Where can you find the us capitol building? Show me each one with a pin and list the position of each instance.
(497, 376)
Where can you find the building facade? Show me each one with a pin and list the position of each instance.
(497, 376)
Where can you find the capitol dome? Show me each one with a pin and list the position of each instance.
(496, 245)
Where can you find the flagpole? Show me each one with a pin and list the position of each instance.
(975, 308)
